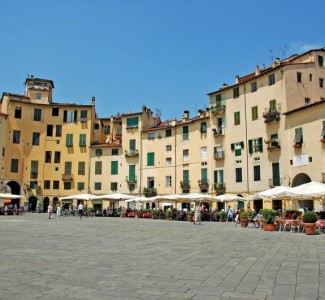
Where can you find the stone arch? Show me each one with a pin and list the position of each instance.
(46, 202)
(32, 202)
(300, 179)
(13, 187)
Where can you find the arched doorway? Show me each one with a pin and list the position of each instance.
(32, 202)
(13, 187)
(300, 179)
(46, 203)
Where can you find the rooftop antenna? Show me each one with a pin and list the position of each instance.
(283, 51)
(271, 55)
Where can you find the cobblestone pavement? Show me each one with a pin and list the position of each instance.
(114, 258)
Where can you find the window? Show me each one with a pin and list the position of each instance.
(98, 168)
(18, 112)
(114, 186)
(186, 156)
(239, 177)
(168, 181)
(204, 176)
(255, 145)
(257, 173)
(254, 113)
(218, 99)
(185, 133)
(310, 77)
(36, 138)
(55, 111)
(114, 151)
(271, 78)
(83, 116)
(96, 126)
(132, 177)
(321, 82)
(68, 167)
(150, 182)
(168, 132)
(218, 176)
(57, 157)
(186, 177)
(67, 185)
(33, 184)
(204, 153)
(203, 128)
(38, 96)
(307, 101)
(48, 156)
(132, 122)
(168, 161)
(218, 152)
(16, 137)
(70, 116)
(298, 136)
(320, 61)
(81, 168)
(49, 130)
(132, 145)
(99, 152)
(37, 114)
(82, 140)
(237, 147)
(80, 186)
(107, 129)
(47, 184)
(98, 186)
(205, 163)
(159, 135)
(151, 136)
(14, 165)
(237, 118)
(253, 86)
(323, 131)
(236, 92)
(58, 130)
(150, 159)
(168, 147)
(69, 140)
(34, 169)
(299, 76)
(114, 167)
(272, 105)
(56, 185)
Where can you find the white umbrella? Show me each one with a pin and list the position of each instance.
(138, 199)
(10, 196)
(268, 194)
(229, 198)
(86, 197)
(115, 196)
(196, 197)
(307, 190)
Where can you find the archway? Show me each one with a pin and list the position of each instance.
(14, 188)
(300, 179)
(32, 202)
(46, 203)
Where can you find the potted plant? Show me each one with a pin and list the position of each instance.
(309, 219)
(222, 215)
(269, 216)
(168, 215)
(243, 217)
(190, 214)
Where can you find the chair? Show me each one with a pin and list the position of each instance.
(279, 224)
(257, 223)
(295, 226)
(237, 220)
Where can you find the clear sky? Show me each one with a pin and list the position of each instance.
(166, 54)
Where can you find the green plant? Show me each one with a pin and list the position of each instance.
(269, 215)
(244, 215)
(190, 213)
(149, 192)
(222, 215)
(168, 213)
(309, 217)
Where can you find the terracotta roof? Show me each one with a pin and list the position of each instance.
(322, 101)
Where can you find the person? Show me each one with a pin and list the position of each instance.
(197, 216)
(249, 210)
(58, 210)
(37, 207)
(49, 211)
(80, 209)
(229, 214)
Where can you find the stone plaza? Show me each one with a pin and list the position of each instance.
(124, 258)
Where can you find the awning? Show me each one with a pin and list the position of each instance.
(66, 201)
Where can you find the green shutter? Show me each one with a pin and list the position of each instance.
(65, 116)
(75, 116)
(203, 127)
(186, 175)
(150, 159)
(69, 140)
(260, 144)
(82, 140)
(232, 146)
(132, 173)
(250, 146)
(242, 145)
(204, 175)
(114, 167)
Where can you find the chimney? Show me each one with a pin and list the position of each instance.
(225, 85)
(186, 115)
(237, 79)
(93, 99)
(144, 109)
(257, 70)
(277, 60)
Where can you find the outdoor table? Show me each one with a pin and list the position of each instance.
(321, 224)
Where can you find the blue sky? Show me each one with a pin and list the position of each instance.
(166, 54)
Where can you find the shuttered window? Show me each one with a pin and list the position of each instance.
(69, 140)
(82, 140)
(114, 167)
(150, 159)
(298, 136)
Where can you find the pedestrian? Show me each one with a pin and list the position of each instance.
(49, 211)
(229, 214)
(80, 209)
(58, 210)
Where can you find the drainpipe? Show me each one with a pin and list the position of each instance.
(246, 143)
(175, 164)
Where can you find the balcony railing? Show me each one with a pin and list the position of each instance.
(271, 116)
(297, 145)
(67, 177)
(131, 179)
(218, 131)
(219, 155)
(220, 188)
(203, 184)
(272, 144)
(275, 182)
(218, 110)
(131, 153)
(185, 185)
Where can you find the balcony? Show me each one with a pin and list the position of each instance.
(297, 145)
(33, 175)
(131, 179)
(272, 144)
(275, 182)
(271, 116)
(185, 185)
(220, 188)
(203, 184)
(67, 177)
(219, 155)
(131, 153)
(83, 120)
(218, 110)
(218, 131)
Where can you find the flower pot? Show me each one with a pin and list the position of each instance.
(244, 223)
(269, 227)
(310, 228)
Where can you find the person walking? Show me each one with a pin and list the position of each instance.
(58, 210)
(229, 214)
(49, 211)
(80, 209)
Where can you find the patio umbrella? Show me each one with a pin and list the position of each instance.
(115, 196)
(229, 198)
(268, 194)
(307, 190)
(85, 197)
(10, 196)
(138, 199)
